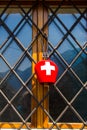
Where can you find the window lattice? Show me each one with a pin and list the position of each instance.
(66, 44)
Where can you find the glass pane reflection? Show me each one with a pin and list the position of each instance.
(15, 68)
(73, 56)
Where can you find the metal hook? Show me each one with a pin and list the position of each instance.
(45, 48)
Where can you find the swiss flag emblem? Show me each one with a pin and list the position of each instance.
(46, 71)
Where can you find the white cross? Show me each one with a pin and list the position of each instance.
(48, 68)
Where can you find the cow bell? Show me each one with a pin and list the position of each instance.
(46, 71)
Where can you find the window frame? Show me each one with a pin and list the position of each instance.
(42, 121)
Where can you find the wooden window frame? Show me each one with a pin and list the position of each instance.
(40, 16)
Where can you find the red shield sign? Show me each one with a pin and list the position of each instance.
(46, 71)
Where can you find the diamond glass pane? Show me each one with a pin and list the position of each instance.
(11, 86)
(12, 20)
(3, 35)
(80, 104)
(24, 33)
(54, 99)
(3, 102)
(24, 69)
(12, 53)
(80, 67)
(24, 108)
(9, 115)
(4, 69)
